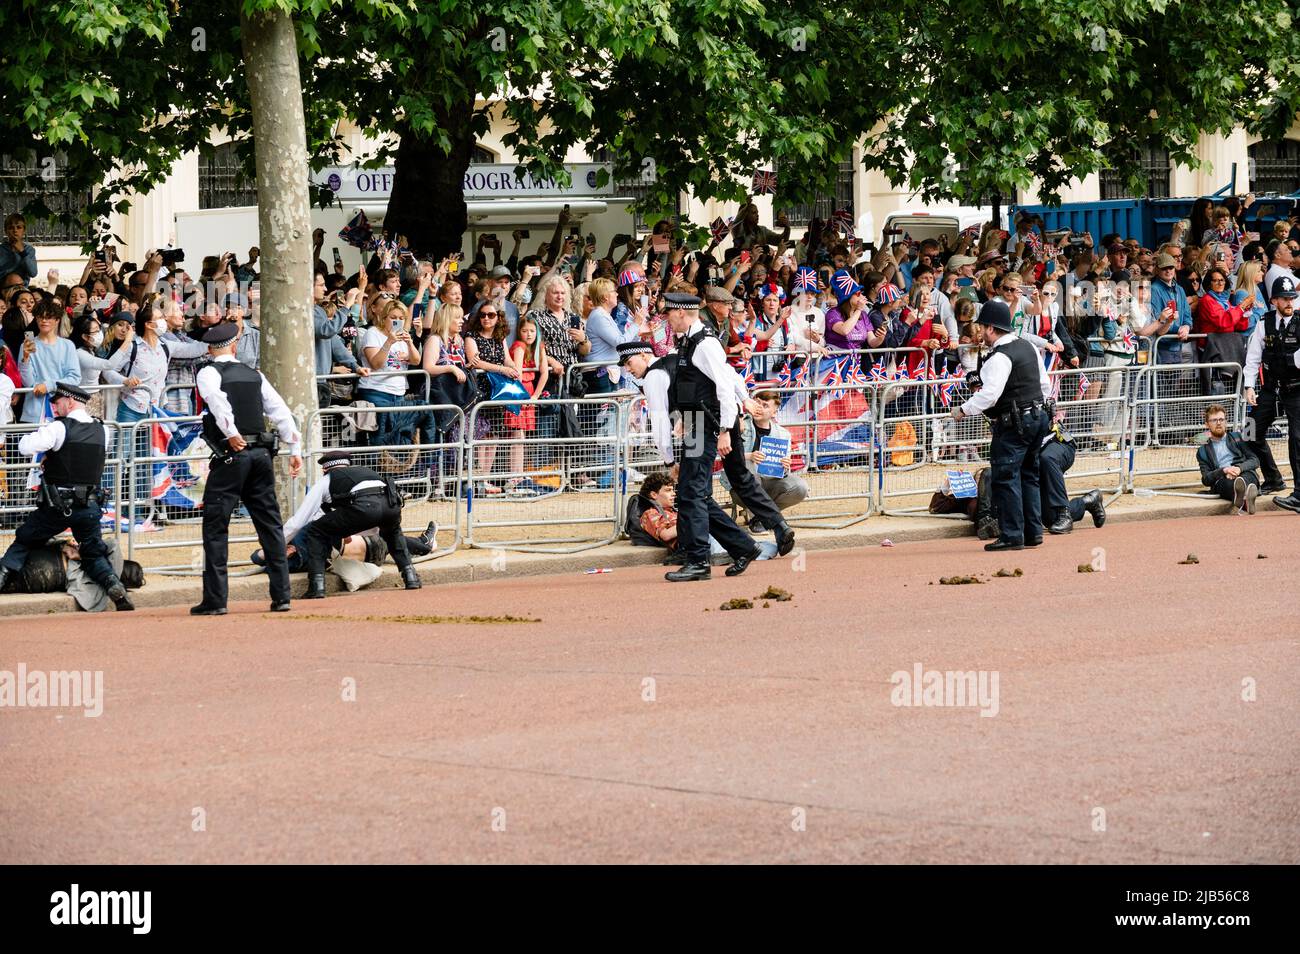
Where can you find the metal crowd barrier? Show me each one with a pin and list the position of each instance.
(567, 481)
(429, 471)
(1169, 416)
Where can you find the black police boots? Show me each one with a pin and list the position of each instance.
(784, 538)
(1093, 503)
(741, 563)
(411, 578)
(117, 593)
(315, 587)
(1063, 522)
(691, 571)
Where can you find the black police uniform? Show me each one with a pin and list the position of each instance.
(249, 476)
(349, 512)
(70, 499)
(1056, 457)
(692, 393)
(1019, 421)
(1279, 394)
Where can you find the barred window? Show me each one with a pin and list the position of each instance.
(481, 156)
(1275, 166)
(822, 206)
(1156, 169)
(222, 183)
(633, 187)
(23, 182)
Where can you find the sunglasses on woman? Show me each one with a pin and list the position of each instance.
(487, 314)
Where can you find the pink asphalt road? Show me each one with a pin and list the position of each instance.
(632, 726)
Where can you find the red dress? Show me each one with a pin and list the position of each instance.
(526, 419)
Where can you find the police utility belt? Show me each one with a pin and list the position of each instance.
(68, 499)
(267, 439)
(1015, 418)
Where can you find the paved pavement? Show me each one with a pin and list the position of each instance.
(630, 725)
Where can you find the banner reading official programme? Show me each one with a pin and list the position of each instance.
(497, 180)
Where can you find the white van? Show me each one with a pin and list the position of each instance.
(932, 222)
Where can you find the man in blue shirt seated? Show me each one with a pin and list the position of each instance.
(1228, 467)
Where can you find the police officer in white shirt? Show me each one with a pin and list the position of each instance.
(1274, 347)
(698, 383)
(345, 501)
(1013, 394)
(239, 400)
(75, 446)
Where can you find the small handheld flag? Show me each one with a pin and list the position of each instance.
(764, 182)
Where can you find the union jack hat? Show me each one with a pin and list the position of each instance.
(770, 289)
(844, 286)
(630, 276)
(805, 279)
(888, 294)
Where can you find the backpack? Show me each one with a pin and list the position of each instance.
(135, 349)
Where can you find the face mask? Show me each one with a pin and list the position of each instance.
(97, 338)
(527, 296)
(160, 326)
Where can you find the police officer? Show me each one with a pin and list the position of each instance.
(1059, 512)
(1013, 393)
(239, 400)
(75, 446)
(1275, 346)
(353, 498)
(696, 383)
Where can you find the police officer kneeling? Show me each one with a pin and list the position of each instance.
(1275, 346)
(239, 401)
(75, 446)
(353, 499)
(1013, 393)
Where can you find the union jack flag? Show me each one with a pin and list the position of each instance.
(795, 377)
(1033, 242)
(878, 372)
(358, 232)
(972, 231)
(946, 384)
(721, 227)
(843, 220)
(1083, 387)
(764, 182)
(749, 377)
(1130, 342)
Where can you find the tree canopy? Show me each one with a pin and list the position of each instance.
(953, 100)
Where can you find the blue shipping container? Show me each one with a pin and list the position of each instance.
(1128, 217)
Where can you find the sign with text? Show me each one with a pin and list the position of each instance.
(498, 180)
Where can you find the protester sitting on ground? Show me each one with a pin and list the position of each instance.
(653, 511)
(1228, 466)
(787, 490)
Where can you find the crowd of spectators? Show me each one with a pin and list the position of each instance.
(404, 333)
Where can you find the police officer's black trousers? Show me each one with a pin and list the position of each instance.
(365, 512)
(698, 514)
(746, 486)
(47, 522)
(1054, 460)
(1014, 463)
(1263, 414)
(250, 477)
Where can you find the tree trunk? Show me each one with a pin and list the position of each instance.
(997, 210)
(427, 204)
(283, 212)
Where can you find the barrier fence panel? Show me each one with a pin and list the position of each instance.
(1092, 407)
(919, 442)
(421, 448)
(566, 464)
(832, 433)
(342, 390)
(163, 496)
(1168, 422)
